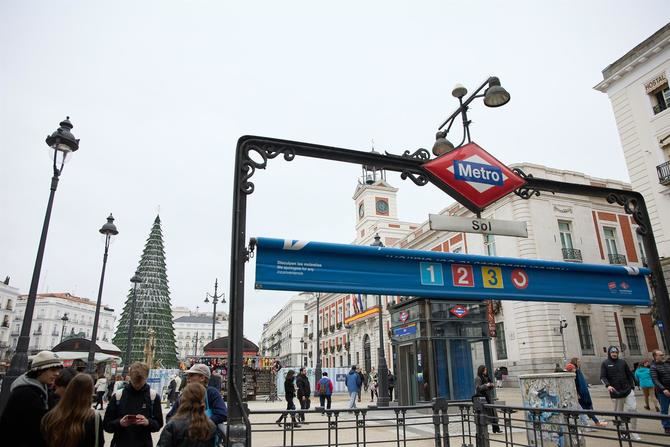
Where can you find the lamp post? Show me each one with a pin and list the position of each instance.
(302, 344)
(382, 367)
(108, 230)
(64, 319)
(61, 142)
(317, 368)
(562, 324)
(215, 299)
(195, 348)
(131, 324)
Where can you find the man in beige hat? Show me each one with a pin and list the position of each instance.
(28, 401)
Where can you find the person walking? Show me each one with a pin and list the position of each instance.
(100, 390)
(363, 375)
(60, 384)
(643, 377)
(190, 426)
(484, 388)
(617, 377)
(72, 423)
(353, 382)
(134, 412)
(391, 385)
(660, 375)
(583, 393)
(324, 389)
(29, 401)
(304, 392)
(172, 391)
(289, 395)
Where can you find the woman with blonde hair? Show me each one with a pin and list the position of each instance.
(72, 422)
(190, 427)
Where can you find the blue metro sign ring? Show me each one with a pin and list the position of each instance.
(459, 311)
(475, 174)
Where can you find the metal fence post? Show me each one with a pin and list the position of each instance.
(482, 432)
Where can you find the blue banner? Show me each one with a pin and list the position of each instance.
(340, 268)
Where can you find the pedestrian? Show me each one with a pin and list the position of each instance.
(364, 383)
(498, 376)
(583, 393)
(100, 389)
(110, 387)
(660, 375)
(172, 391)
(28, 402)
(324, 388)
(72, 423)
(617, 377)
(304, 392)
(61, 382)
(391, 385)
(190, 426)
(134, 412)
(119, 384)
(643, 377)
(289, 395)
(484, 388)
(354, 383)
(373, 389)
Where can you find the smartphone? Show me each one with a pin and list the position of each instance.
(131, 417)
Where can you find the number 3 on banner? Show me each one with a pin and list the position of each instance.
(462, 275)
(492, 277)
(431, 274)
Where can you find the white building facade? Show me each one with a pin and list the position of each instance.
(282, 334)
(49, 326)
(638, 88)
(8, 298)
(194, 330)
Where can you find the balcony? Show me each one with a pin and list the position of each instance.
(55, 333)
(617, 259)
(310, 335)
(572, 254)
(5, 324)
(339, 325)
(332, 328)
(663, 171)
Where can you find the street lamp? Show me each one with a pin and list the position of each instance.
(317, 368)
(62, 142)
(302, 344)
(562, 324)
(494, 96)
(382, 367)
(131, 324)
(64, 319)
(215, 299)
(108, 230)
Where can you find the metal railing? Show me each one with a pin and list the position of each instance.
(572, 254)
(455, 423)
(617, 259)
(663, 171)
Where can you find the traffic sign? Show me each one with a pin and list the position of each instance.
(459, 311)
(476, 225)
(404, 315)
(475, 174)
(342, 268)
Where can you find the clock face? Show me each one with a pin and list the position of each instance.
(361, 210)
(382, 207)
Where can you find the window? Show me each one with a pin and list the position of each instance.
(501, 344)
(565, 233)
(458, 249)
(640, 247)
(585, 338)
(610, 240)
(490, 244)
(659, 94)
(631, 336)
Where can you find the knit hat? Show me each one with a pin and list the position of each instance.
(45, 360)
(570, 367)
(200, 368)
(613, 349)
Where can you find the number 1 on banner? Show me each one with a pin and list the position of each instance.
(431, 274)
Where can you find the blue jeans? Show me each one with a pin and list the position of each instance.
(665, 403)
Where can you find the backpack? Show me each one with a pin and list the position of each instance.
(323, 386)
(118, 395)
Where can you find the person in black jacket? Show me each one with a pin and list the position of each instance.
(619, 380)
(484, 387)
(304, 391)
(134, 412)
(289, 395)
(28, 402)
(660, 375)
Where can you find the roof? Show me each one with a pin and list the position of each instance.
(196, 319)
(639, 49)
(82, 344)
(66, 296)
(221, 344)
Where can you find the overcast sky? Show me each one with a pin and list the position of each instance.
(159, 92)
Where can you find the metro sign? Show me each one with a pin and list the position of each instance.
(459, 311)
(475, 174)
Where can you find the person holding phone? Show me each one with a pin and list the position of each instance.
(134, 412)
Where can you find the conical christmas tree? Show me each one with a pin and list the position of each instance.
(152, 309)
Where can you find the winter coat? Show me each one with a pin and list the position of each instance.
(660, 375)
(482, 387)
(133, 402)
(27, 404)
(304, 390)
(582, 390)
(643, 377)
(215, 403)
(175, 434)
(616, 373)
(101, 385)
(324, 384)
(289, 389)
(354, 382)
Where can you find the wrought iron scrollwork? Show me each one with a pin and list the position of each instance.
(418, 179)
(419, 154)
(631, 206)
(525, 192)
(265, 152)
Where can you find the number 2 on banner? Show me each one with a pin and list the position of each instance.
(431, 274)
(462, 275)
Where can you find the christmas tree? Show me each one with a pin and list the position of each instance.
(152, 308)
